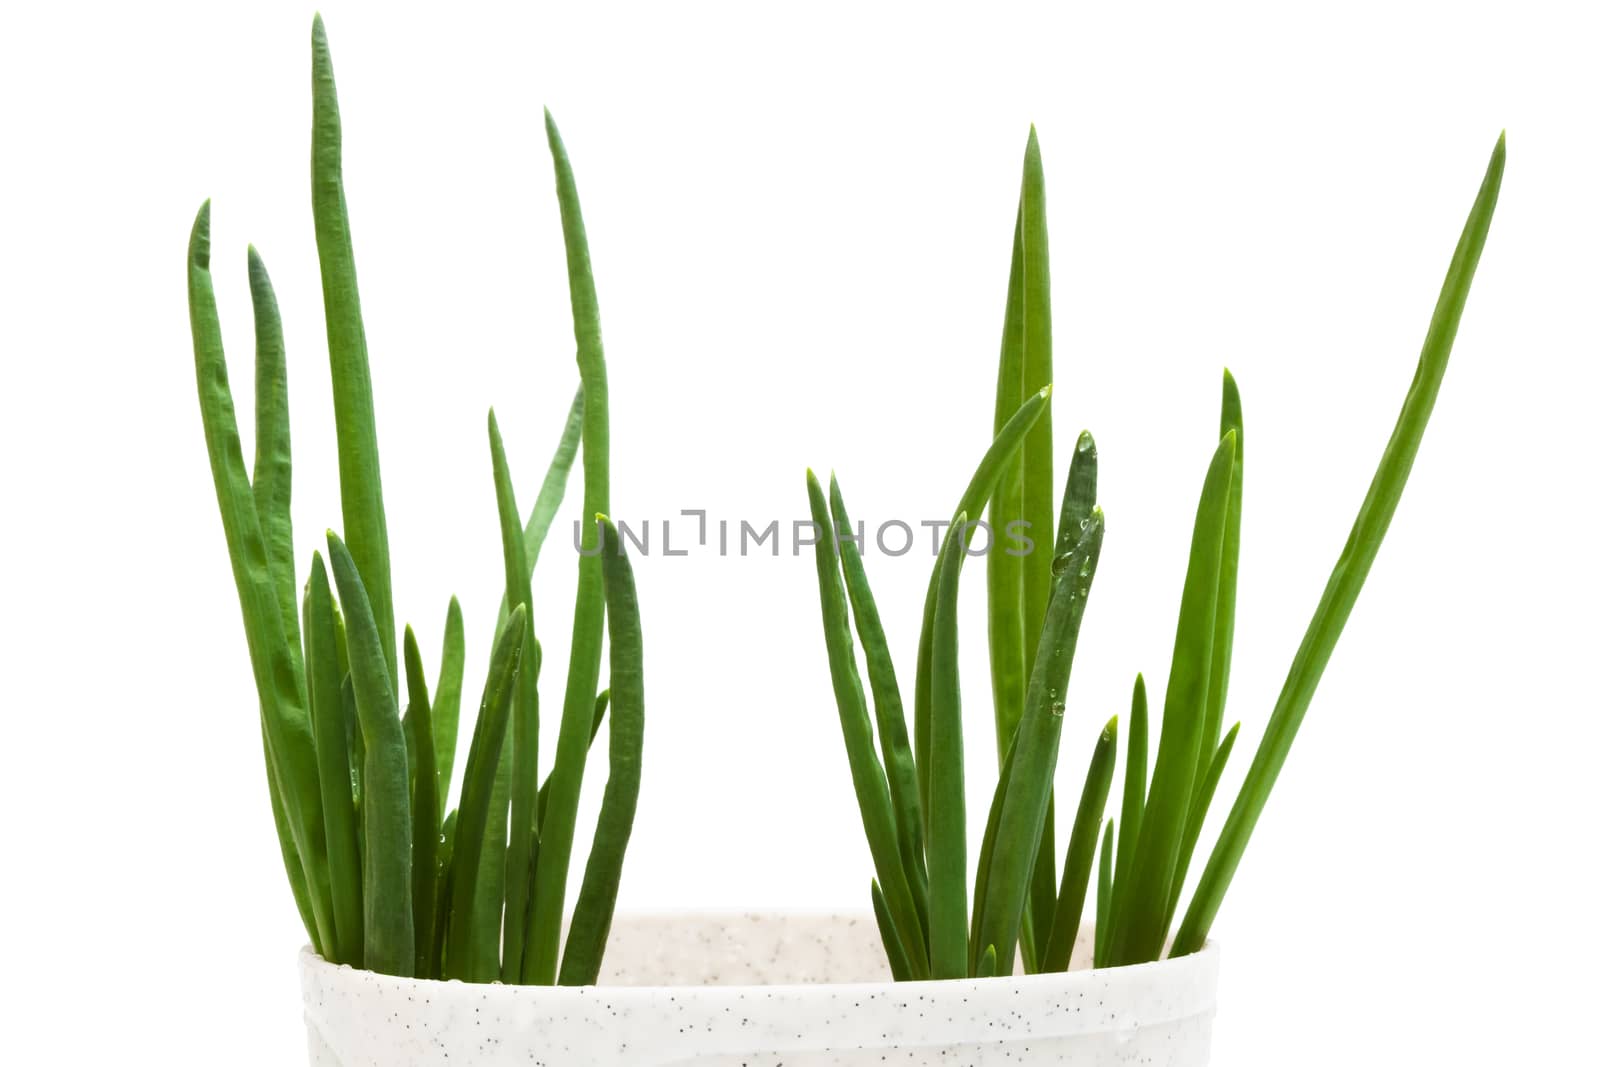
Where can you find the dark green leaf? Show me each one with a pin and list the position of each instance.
(866, 773)
(388, 922)
(1034, 749)
(1103, 897)
(1141, 933)
(899, 966)
(982, 486)
(583, 671)
(597, 899)
(447, 698)
(291, 756)
(1133, 798)
(1079, 865)
(272, 477)
(360, 487)
(1206, 790)
(524, 722)
(333, 766)
(418, 724)
(893, 739)
(477, 789)
(947, 792)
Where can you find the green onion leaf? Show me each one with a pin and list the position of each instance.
(1002, 451)
(390, 938)
(477, 789)
(1079, 864)
(1034, 749)
(1206, 790)
(447, 698)
(899, 966)
(1349, 574)
(866, 773)
(893, 739)
(1102, 897)
(524, 722)
(418, 726)
(272, 476)
(360, 487)
(1133, 800)
(333, 766)
(947, 795)
(597, 898)
(1141, 933)
(583, 671)
(286, 727)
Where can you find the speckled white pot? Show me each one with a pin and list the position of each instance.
(768, 990)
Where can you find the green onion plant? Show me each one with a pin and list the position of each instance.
(910, 783)
(386, 874)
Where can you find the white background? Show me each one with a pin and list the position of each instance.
(800, 223)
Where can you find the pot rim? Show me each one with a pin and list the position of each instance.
(1108, 979)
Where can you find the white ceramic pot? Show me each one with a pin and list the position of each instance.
(767, 990)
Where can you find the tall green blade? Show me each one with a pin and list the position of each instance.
(554, 487)
(291, 865)
(1027, 490)
(1020, 587)
(390, 933)
(524, 722)
(1034, 749)
(893, 947)
(488, 905)
(333, 766)
(1002, 451)
(991, 828)
(418, 724)
(1141, 934)
(270, 483)
(441, 904)
(477, 788)
(597, 898)
(1008, 656)
(1077, 511)
(1034, 463)
(551, 491)
(947, 791)
(1133, 800)
(1197, 818)
(583, 670)
(291, 756)
(447, 699)
(1102, 896)
(272, 476)
(1079, 864)
(360, 487)
(1227, 580)
(1344, 584)
(866, 773)
(601, 702)
(893, 739)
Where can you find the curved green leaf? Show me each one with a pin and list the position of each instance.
(597, 898)
(1350, 572)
